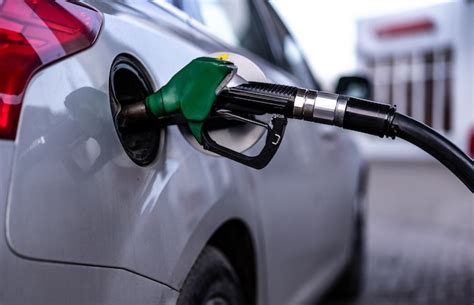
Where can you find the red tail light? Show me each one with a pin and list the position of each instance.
(34, 33)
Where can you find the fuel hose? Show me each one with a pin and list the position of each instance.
(201, 91)
(349, 113)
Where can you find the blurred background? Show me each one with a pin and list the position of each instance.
(419, 55)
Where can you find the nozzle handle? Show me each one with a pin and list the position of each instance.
(258, 98)
(272, 142)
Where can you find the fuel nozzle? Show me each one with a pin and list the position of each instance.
(309, 105)
(133, 114)
(201, 91)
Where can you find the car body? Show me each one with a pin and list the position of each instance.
(83, 224)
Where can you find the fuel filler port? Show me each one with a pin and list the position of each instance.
(130, 82)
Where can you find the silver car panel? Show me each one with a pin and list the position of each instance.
(26, 281)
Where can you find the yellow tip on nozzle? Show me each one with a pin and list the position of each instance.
(223, 56)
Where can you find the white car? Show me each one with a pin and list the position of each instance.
(96, 215)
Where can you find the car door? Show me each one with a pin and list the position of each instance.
(304, 227)
(329, 164)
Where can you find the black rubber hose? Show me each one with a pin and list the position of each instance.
(436, 145)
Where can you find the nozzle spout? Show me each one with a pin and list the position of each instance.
(132, 114)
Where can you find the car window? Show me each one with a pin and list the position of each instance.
(172, 2)
(293, 59)
(235, 21)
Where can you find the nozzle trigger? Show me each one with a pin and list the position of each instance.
(272, 141)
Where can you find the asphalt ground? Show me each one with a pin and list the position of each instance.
(420, 237)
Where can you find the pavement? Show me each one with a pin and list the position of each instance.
(420, 238)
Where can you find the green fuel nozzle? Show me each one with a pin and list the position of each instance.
(194, 97)
(200, 92)
(192, 92)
